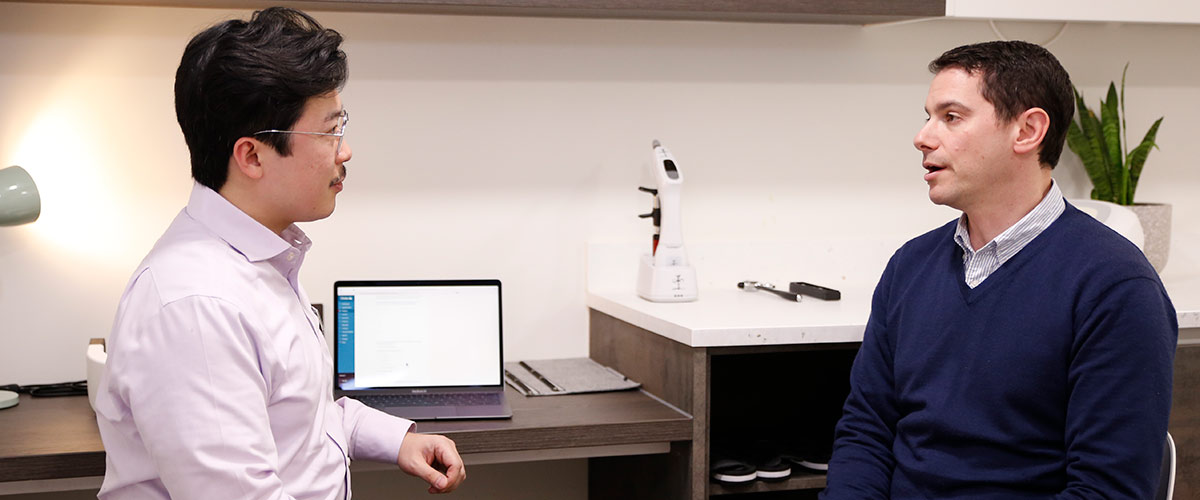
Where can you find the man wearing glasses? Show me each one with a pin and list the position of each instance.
(219, 382)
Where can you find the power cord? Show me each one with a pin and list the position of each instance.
(78, 388)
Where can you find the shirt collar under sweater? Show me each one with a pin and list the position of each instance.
(979, 264)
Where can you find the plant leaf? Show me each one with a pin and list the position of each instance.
(1092, 160)
(1124, 129)
(1103, 178)
(1110, 122)
(1123, 188)
(1137, 157)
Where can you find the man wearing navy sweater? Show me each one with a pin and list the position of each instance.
(1024, 350)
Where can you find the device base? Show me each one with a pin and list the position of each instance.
(666, 283)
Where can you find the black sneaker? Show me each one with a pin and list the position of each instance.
(731, 469)
(813, 461)
(771, 466)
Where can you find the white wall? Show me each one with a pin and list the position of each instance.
(498, 147)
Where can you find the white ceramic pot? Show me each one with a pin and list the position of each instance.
(1156, 224)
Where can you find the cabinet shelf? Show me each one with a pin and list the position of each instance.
(781, 11)
(800, 480)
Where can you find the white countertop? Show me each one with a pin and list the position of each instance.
(735, 317)
(1184, 290)
(726, 316)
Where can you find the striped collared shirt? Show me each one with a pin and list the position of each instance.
(979, 264)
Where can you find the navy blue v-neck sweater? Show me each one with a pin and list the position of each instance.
(1051, 379)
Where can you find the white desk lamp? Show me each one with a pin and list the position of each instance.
(19, 204)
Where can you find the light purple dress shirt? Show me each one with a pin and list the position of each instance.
(219, 383)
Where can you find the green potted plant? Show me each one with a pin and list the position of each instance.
(1103, 146)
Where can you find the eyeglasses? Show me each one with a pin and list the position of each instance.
(343, 119)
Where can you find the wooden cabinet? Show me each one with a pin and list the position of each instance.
(1185, 416)
(787, 393)
(779, 11)
(786, 11)
(804, 385)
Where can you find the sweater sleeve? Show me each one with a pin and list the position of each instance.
(1120, 391)
(862, 462)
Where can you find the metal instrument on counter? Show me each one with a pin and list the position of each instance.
(751, 286)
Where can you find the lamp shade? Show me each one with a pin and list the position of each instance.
(19, 199)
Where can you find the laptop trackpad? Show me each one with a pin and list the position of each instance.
(422, 412)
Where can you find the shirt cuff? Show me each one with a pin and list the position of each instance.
(380, 436)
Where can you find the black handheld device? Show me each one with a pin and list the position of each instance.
(812, 290)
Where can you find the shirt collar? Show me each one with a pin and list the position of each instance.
(239, 230)
(1013, 239)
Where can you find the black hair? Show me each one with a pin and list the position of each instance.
(1018, 76)
(240, 77)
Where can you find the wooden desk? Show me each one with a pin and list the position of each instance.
(57, 438)
(50, 438)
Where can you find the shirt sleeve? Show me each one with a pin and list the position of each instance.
(862, 462)
(374, 435)
(1120, 392)
(190, 375)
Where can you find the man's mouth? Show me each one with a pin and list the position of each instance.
(339, 178)
(931, 171)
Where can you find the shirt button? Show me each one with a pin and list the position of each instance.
(291, 256)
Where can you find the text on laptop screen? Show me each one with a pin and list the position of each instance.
(418, 336)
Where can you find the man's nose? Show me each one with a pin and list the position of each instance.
(345, 152)
(923, 141)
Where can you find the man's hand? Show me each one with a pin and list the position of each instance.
(434, 459)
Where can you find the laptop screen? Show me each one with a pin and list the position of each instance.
(416, 334)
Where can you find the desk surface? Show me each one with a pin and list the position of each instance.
(55, 438)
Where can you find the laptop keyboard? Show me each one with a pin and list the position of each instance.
(448, 399)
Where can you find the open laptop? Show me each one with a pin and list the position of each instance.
(421, 350)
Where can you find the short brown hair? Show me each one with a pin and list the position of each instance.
(1018, 76)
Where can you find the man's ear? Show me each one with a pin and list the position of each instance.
(1032, 126)
(246, 159)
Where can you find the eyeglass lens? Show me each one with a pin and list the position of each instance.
(342, 121)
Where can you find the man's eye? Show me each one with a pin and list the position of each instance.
(950, 117)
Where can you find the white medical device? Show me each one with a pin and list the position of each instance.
(664, 274)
